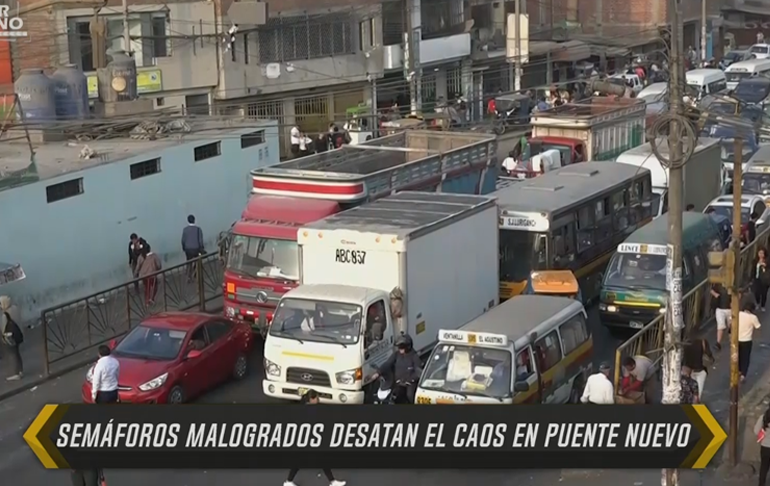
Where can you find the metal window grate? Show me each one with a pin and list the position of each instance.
(63, 190)
(146, 168)
(207, 151)
(252, 139)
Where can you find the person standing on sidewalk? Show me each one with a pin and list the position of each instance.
(762, 429)
(761, 281)
(689, 392)
(149, 265)
(12, 336)
(104, 378)
(135, 248)
(720, 302)
(311, 398)
(192, 244)
(697, 357)
(747, 323)
(599, 390)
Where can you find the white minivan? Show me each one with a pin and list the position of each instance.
(706, 81)
(746, 69)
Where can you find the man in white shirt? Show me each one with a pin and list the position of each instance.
(747, 323)
(104, 379)
(599, 389)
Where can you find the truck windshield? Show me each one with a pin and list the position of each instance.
(756, 183)
(263, 257)
(639, 272)
(468, 370)
(520, 253)
(317, 321)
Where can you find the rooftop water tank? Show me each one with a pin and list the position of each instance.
(35, 92)
(71, 93)
(122, 76)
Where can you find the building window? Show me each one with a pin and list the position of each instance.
(159, 36)
(441, 18)
(148, 32)
(252, 139)
(310, 37)
(63, 190)
(208, 151)
(142, 169)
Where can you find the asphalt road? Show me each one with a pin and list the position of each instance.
(18, 462)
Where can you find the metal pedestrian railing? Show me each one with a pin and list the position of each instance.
(73, 330)
(696, 309)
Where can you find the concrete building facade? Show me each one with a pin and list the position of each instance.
(69, 230)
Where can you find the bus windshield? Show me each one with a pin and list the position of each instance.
(468, 370)
(257, 257)
(630, 270)
(520, 253)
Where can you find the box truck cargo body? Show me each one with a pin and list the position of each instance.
(439, 249)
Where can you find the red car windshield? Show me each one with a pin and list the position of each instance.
(146, 342)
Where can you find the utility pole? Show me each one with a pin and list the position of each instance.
(412, 69)
(735, 299)
(674, 323)
(703, 32)
(517, 61)
(126, 33)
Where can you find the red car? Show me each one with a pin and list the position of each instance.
(176, 356)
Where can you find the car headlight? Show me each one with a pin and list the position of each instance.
(612, 308)
(349, 377)
(230, 311)
(90, 374)
(662, 310)
(271, 368)
(156, 382)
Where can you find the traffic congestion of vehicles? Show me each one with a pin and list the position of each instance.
(263, 262)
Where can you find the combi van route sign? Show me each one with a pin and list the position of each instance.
(265, 436)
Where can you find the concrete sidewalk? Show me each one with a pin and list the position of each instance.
(69, 330)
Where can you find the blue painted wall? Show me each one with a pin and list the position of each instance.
(79, 245)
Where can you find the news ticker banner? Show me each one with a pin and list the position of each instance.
(406, 437)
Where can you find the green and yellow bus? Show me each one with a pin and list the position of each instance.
(634, 288)
(571, 218)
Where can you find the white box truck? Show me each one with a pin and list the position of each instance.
(704, 175)
(409, 263)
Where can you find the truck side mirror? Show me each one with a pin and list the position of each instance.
(521, 387)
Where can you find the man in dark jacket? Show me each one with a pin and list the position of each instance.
(311, 398)
(136, 247)
(403, 366)
(192, 244)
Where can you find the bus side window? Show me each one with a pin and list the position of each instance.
(548, 351)
(619, 210)
(564, 246)
(699, 269)
(585, 229)
(573, 333)
(524, 368)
